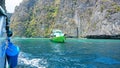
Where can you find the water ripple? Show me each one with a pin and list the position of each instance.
(106, 60)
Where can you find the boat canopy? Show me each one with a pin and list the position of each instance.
(57, 31)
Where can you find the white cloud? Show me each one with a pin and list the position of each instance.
(10, 5)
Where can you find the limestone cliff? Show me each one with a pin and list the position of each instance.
(36, 18)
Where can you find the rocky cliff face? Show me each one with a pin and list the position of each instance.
(91, 17)
(99, 17)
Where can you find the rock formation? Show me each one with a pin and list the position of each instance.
(36, 18)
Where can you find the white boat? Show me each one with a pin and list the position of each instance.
(2, 38)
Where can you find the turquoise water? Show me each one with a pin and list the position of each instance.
(74, 53)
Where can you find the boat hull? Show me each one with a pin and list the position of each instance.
(60, 39)
(2, 55)
(2, 42)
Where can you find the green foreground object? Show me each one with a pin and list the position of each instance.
(57, 36)
(60, 39)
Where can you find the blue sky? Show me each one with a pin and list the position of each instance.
(10, 5)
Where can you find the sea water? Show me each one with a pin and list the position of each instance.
(74, 53)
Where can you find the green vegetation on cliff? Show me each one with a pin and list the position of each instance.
(37, 18)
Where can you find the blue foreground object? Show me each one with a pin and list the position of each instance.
(12, 53)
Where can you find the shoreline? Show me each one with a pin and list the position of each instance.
(82, 37)
(102, 37)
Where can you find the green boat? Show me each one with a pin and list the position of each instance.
(57, 36)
